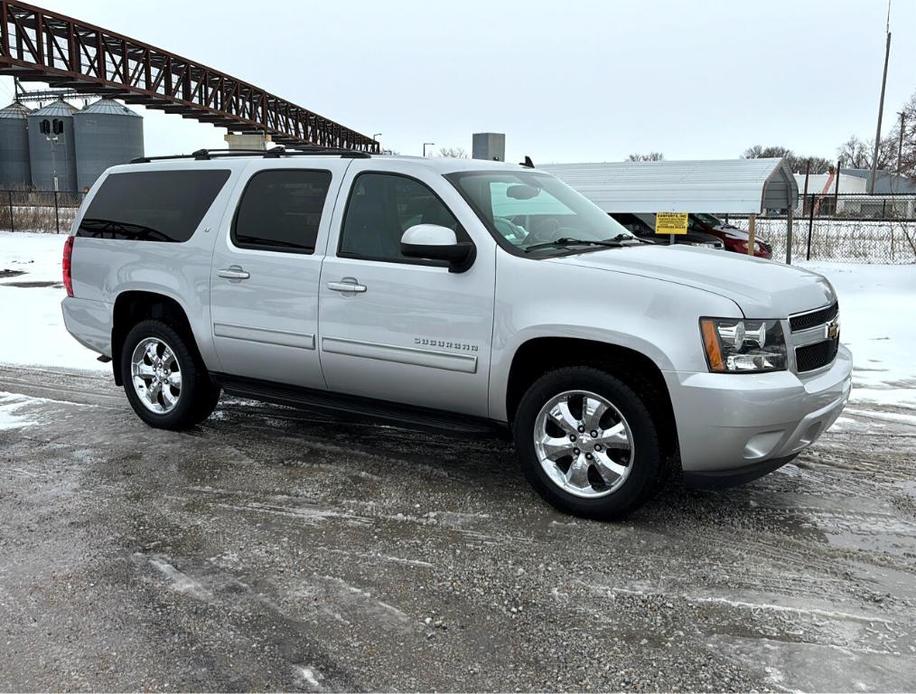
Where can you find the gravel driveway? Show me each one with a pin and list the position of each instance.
(279, 549)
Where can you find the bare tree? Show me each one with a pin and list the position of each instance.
(453, 152)
(771, 152)
(857, 154)
(651, 156)
(796, 162)
(906, 153)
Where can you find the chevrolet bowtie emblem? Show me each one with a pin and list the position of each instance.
(832, 329)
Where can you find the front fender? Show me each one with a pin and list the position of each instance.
(658, 319)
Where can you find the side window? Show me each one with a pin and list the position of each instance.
(152, 205)
(381, 208)
(280, 210)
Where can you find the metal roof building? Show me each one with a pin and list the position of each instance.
(732, 186)
(51, 147)
(15, 170)
(106, 133)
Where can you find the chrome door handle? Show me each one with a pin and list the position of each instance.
(347, 285)
(233, 272)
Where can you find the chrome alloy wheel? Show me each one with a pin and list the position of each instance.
(584, 444)
(156, 375)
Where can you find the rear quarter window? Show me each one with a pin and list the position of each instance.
(152, 205)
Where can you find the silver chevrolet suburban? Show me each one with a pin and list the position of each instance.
(456, 295)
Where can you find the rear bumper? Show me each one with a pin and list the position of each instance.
(89, 322)
(729, 423)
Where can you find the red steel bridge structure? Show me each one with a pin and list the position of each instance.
(42, 46)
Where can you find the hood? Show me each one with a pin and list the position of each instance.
(761, 288)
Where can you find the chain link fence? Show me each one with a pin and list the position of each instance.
(856, 241)
(850, 227)
(38, 210)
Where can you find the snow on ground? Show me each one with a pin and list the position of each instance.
(10, 417)
(877, 306)
(33, 327)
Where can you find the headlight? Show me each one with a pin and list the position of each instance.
(743, 346)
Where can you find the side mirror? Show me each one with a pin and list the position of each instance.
(434, 242)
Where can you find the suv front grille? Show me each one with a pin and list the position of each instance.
(815, 356)
(809, 320)
(818, 347)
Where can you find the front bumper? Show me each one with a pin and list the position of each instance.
(729, 423)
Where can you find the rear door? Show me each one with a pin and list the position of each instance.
(265, 272)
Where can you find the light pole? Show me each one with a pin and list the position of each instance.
(376, 136)
(425, 145)
(887, 55)
(53, 141)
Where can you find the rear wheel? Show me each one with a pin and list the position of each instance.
(165, 381)
(587, 443)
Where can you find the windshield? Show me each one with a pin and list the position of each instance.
(709, 219)
(528, 209)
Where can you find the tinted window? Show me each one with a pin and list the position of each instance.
(381, 208)
(281, 210)
(152, 205)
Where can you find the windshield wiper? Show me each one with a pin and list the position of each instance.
(615, 242)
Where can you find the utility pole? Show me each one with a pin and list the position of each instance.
(902, 115)
(887, 55)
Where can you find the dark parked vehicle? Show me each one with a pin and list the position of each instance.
(643, 226)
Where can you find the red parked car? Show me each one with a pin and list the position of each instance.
(735, 239)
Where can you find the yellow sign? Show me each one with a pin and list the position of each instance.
(671, 223)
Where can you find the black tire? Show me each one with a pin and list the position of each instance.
(198, 395)
(646, 470)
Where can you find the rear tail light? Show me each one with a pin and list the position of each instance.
(68, 254)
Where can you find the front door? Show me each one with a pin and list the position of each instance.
(265, 272)
(399, 329)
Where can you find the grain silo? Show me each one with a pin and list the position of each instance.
(51, 147)
(107, 134)
(14, 147)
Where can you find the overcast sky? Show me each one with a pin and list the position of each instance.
(566, 81)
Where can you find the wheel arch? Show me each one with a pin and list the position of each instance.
(641, 373)
(135, 305)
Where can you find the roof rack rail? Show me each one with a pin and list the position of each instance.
(201, 155)
(273, 153)
(315, 150)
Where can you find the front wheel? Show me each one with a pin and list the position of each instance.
(587, 443)
(166, 383)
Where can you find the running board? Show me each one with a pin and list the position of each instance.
(366, 409)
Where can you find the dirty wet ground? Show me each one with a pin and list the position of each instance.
(274, 548)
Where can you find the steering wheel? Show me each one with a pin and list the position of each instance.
(511, 231)
(547, 229)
